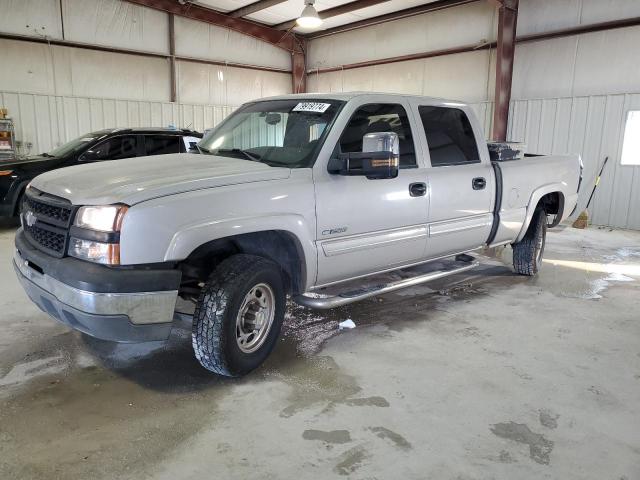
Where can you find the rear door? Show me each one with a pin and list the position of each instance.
(363, 225)
(461, 181)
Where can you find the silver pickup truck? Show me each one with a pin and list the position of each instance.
(309, 196)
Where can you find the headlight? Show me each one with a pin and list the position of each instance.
(102, 219)
(95, 236)
(99, 252)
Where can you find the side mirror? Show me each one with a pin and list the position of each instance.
(89, 156)
(380, 158)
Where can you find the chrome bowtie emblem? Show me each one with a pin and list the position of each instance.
(30, 218)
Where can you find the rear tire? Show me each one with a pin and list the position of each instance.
(527, 253)
(238, 315)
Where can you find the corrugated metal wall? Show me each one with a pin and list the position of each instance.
(40, 68)
(593, 126)
(47, 121)
(56, 93)
(572, 93)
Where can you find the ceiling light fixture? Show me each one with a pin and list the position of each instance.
(309, 17)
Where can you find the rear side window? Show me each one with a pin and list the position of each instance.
(449, 136)
(376, 118)
(161, 144)
(115, 148)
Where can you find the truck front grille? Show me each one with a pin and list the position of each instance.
(46, 221)
(49, 241)
(54, 213)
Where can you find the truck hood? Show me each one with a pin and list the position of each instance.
(135, 180)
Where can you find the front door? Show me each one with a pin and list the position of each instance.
(365, 226)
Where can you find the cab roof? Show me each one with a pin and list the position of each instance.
(346, 96)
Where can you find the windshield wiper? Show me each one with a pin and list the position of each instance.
(47, 155)
(254, 157)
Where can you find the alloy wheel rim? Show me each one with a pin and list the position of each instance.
(255, 318)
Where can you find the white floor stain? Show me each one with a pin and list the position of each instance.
(24, 372)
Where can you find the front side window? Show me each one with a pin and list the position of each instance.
(449, 136)
(76, 144)
(115, 148)
(376, 118)
(161, 144)
(275, 132)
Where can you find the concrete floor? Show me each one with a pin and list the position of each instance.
(485, 376)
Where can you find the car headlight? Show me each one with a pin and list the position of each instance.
(106, 218)
(96, 234)
(98, 252)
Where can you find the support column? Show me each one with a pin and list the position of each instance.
(507, 22)
(172, 58)
(299, 68)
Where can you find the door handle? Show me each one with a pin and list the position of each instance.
(418, 189)
(479, 183)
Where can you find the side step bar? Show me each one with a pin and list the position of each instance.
(323, 303)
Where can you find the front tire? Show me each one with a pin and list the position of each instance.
(238, 315)
(528, 252)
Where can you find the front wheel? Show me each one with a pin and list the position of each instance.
(527, 253)
(238, 315)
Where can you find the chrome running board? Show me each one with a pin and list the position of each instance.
(323, 303)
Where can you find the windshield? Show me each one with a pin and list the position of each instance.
(275, 132)
(76, 144)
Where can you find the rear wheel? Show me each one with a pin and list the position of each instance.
(238, 315)
(528, 252)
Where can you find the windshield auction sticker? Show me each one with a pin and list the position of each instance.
(311, 107)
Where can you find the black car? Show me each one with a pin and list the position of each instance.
(110, 144)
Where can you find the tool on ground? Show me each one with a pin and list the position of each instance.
(583, 219)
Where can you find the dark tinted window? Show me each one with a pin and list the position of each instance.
(376, 118)
(161, 144)
(116, 148)
(449, 136)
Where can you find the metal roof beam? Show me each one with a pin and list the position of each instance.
(286, 41)
(334, 11)
(254, 7)
(407, 12)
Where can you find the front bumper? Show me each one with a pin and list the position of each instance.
(120, 316)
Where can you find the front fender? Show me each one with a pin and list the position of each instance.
(190, 237)
(536, 195)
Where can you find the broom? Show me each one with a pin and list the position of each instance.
(583, 219)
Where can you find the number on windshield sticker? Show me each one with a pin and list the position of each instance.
(311, 107)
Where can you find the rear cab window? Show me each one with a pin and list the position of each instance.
(450, 137)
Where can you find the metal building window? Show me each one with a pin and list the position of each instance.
(631, 142)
